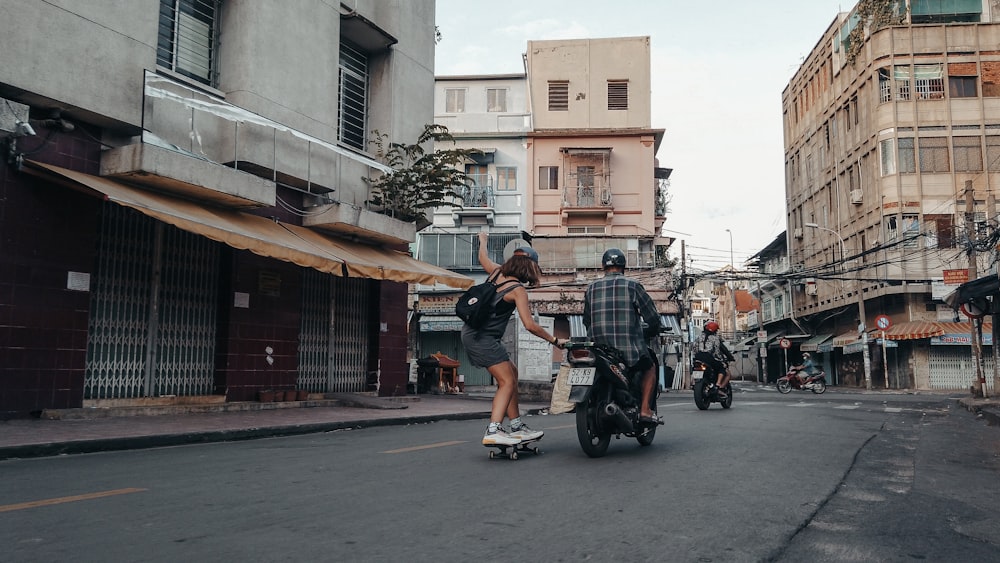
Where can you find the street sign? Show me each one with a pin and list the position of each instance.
(785, 343)
(761, 335)
(883, 322)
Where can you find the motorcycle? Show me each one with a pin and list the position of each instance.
(607, 397)
(706, 391)
(795, 379)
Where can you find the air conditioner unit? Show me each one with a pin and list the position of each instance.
(856, 196)
(797, 233)
(810, 286)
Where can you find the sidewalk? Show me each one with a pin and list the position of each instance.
(25, 438)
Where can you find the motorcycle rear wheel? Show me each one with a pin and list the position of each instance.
(700, 400)
(819, 387)
(728, 401)
(592, 442)
(784, 386)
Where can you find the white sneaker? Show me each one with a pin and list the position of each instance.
(499, 438)
(524, 433)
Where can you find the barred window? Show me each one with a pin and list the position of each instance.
(352, 111)
(993, 153)
(187, 40)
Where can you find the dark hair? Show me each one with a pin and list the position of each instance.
(523, 268)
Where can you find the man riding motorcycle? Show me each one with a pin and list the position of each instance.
(614, 309)
(712, 351)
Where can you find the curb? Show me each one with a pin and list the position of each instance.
(988, 412)
(214, 436)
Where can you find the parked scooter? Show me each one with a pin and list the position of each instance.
(796, 379)
(706, 391)
(607, 397)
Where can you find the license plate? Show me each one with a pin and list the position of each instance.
(582, 376)
(697, 374)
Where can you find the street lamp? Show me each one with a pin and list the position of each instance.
(861, 305)
(732, 262)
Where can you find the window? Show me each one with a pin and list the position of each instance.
(352, 110)
(929, 81)
(907, 162)
(548, 177)
(617, 94)
(933, 152)
(496, 100)
(559, 95)
(945, 11)
(506, 178)
(940, 231)
(187, 39)
(887, 156)
(454, 100)
(901, 74)
(962, 86)
(993, 153)
(911, 231)
(968, 154)
(884, 86)
(479, 174)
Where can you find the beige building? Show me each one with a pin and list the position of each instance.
(892, 162)
(592, 181)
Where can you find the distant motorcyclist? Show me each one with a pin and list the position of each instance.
(712, 351)
(807, 365)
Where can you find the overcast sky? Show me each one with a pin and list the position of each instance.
(717, 78)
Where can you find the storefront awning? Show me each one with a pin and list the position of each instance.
(576, 327)
(812, 345)
(912, 330)
(263, 236)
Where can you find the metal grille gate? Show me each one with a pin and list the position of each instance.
(334, 339)
(152, 309)
(953, 367)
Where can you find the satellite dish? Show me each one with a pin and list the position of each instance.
(511, 246)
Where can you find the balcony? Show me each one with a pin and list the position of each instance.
(199, 147)
(477, 202)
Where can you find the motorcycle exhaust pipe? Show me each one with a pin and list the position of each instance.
(620, 418)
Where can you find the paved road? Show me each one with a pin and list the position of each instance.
(776, 478)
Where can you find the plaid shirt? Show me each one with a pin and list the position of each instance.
(613, 310)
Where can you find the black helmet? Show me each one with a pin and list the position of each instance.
(613, 257)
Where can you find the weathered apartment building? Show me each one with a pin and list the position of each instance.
(892, 155)
(182, 204)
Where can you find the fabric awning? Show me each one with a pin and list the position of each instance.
(845, 339)
(266, 237)
(912, 330)
(812, 345)
(440, 323)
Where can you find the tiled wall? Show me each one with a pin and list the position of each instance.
(46, 232)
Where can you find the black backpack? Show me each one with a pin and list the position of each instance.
(475, 306)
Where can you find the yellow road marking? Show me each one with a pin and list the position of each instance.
(61, 500)
(427, 447)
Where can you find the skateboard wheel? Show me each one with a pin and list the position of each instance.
(513, 455)
(493, 454)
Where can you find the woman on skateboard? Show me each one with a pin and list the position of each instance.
(485, 350)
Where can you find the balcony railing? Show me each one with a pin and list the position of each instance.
(586, 196)
(480, 193)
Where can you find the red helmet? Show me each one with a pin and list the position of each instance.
(712, 326)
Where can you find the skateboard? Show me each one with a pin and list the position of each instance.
(525, 446)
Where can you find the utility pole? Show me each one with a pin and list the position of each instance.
(863, 328)
(976, 331)
(685, 325)
(991, 210)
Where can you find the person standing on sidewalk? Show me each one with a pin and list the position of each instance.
(485, 350)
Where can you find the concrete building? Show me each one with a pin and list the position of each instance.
(182, 210)
(892, 155)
